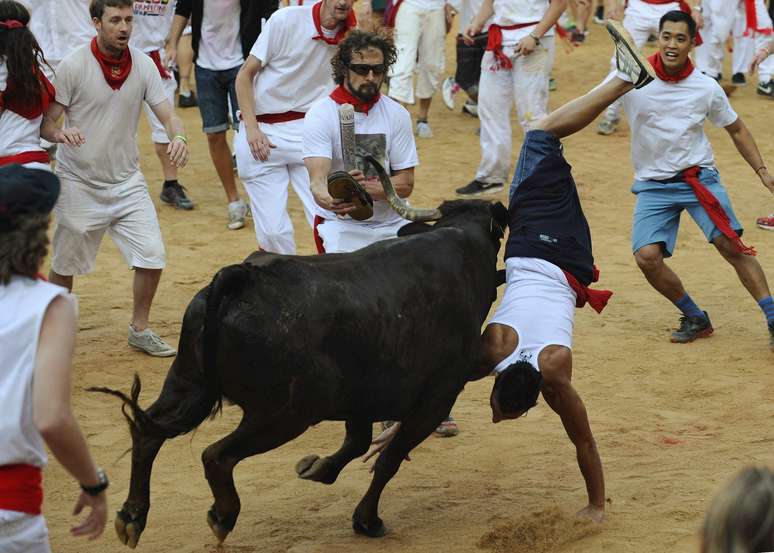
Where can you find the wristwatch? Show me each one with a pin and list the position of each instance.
(698, 8)
(535, 38)
(99, 488)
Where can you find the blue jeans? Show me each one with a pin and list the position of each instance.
(537, 146)
(216, 90)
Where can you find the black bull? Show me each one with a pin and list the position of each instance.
(390, 332)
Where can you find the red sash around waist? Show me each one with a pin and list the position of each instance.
(597, 299)
(21, 489)
(156, 57)
(40, 156)
(495, 43)
(280, 117)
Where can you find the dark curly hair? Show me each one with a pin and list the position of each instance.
(22, 55)
(357, 41)
(517, 387)
(23, 249)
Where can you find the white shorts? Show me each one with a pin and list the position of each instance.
(158, 132)
(125, 211)
(539, 305)
(23, 533)
(345, 235)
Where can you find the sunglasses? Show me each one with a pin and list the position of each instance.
(363, 69)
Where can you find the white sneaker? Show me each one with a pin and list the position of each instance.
(628, 58)
(237, 211)
(471, 108)
(447, 92)
(424, 130)
(150, 342)
(607, 126)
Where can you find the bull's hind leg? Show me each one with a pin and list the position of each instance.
(327, 469)
(250, 438)
(413, 431)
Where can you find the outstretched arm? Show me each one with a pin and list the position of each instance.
(745, 143)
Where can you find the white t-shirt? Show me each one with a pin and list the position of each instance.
(108, 118)
(17, 133)
(385, 133)
(71, 27)
(23, 305)
(516, 12)
(295, 69)
(220, 47)
(428, 5)
(152, 23)
(667, 122)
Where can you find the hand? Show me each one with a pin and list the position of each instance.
(325, 201)
(380, 444)
(170, 55)
(178, 152)
(698, 17)
(767, 179)
(593, 513)
(93, 525)
(70, 136)
(761, 55)
(526, 46)
(260, 145)
(449, 12)
(472, 30)
(616, 13)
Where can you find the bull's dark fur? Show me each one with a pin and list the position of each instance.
(388, 332)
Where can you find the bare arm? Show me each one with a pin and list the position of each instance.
(52, 411)
(178, 144)
(528, 44)
(319, 168)
(613, 9)
(402, 180)
(761, 55)
(745, 143)
(51, 131)
(484, 13)
(260, 145)
(179, 23)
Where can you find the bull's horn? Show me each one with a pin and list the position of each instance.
(398, 203)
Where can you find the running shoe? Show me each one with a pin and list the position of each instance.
(628, 58)
(766, 89)
(149, 342)
(424, 130)
(551, 84)
(692, 328)
(447, 91)
(447, 429)
(477, 188)
(187, 101)
(471, 108)
(599, 15)
(607, 126)
(174, 195)
(738, 79)
(765, 223)
(237, 211)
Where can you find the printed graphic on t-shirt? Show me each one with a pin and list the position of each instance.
(374, 145)
(151, 7)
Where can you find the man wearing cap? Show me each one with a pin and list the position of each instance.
(100, 88)
(38, 321)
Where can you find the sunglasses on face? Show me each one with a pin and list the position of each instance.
(363, 69)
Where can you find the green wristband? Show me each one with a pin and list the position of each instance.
(181, 137)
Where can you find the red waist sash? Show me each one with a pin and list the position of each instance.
(21, 489)
(280, 117)
(26, 157)
(495, 43)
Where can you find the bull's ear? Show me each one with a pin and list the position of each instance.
(414, 228)
(500, 214)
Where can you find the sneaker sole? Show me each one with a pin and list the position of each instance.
(620, 34)
(702, 334)
(447, 433)
(171, 353)
(485, 192)
(763, 227)
(236, 226)
(177, 205)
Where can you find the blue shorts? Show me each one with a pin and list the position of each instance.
(537, 145)
(216, 90)
(657, 213)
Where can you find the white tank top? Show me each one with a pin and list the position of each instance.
(23, 303)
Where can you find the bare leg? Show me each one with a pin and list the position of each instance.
(650, 260)
(579, 113)
(221, 158)
(424, 108)
(185, 63)
(146, 281)
(169, 170)
(65, 281)
(747, 268)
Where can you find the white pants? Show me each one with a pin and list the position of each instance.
(419, 38)
(744, 46)
(719, 19)
(346, 235)
(526, 85)
(158, 132)
(641, 20)
(23, 533)
(266, 182)
(125, 211)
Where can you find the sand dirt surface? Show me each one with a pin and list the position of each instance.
(672, 421)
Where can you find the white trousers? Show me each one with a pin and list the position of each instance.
(23, 533)
(525, 85)
(158, 132)
(744, 46)
(419, 38)
(346, 235)
(719, 19)
(266, 183)
(641, 20)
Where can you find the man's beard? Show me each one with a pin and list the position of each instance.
(370, 92)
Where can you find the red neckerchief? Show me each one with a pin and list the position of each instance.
(30, 110)
(349, 23)
(713, 208)
(597, 299)
(658, 65)
(341, 95)
(494, 43)
(752, 20)
(156, 57)
(115, 71)
(684, 7)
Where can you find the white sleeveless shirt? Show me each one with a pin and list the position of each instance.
(23, 303)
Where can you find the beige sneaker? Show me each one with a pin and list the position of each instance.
(628, 58)
(237, 211)
(150, 342)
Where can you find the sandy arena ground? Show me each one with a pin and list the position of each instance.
(672, 422)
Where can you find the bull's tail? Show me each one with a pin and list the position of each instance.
(227, 282)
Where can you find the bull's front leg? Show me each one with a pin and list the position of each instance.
(327, 469)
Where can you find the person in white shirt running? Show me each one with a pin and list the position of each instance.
(38, 321)
(100, 88)
(287, 71)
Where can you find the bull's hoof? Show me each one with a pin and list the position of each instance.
(128, 528)
(218, 526)
(376, 529)
(312, 467)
